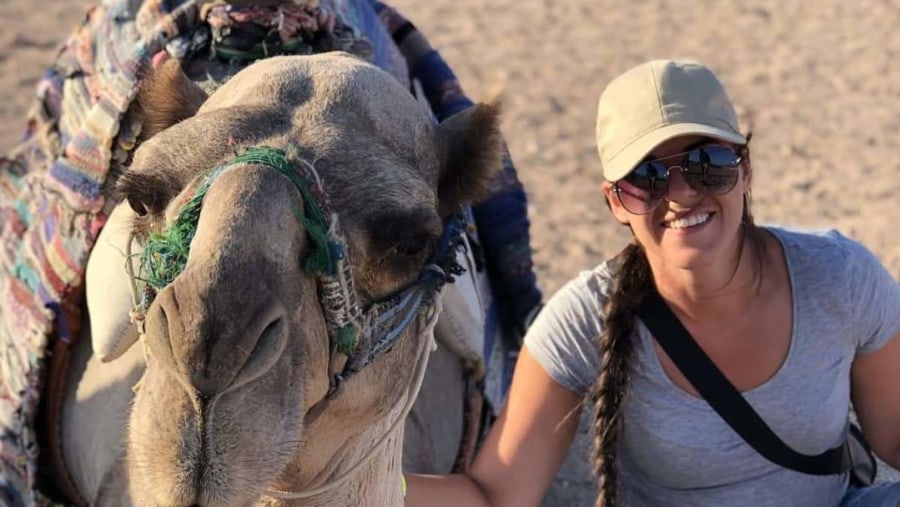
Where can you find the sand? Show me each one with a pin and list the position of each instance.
(818, 81)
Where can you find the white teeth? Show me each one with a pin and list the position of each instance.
(690, 221)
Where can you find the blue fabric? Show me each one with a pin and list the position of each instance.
(365, 19)
(503, 226)
(879, 495)
(436, 77)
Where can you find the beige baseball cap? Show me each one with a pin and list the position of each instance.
(657, 101)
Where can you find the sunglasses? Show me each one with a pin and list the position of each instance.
(712, 170)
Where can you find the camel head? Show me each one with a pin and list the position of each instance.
(240, 347)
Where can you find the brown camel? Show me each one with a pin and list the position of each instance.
(231, 401)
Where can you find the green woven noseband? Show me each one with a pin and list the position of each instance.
(165, 254)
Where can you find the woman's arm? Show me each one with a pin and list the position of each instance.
(522, 452)
(874, 298)
(875, 380)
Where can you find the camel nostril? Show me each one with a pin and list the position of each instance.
(270, 331)
(268, 349)
(161, 324)
(212, 352)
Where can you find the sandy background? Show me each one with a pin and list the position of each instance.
(818, 80)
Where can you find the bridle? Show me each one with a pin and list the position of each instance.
(357, 334)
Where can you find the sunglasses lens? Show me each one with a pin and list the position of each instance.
(712, 169)
(634, 199)
(643, 188)
(651, 177)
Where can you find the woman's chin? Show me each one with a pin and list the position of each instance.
(695, 251)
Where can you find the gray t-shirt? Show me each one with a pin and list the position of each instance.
(675, 450)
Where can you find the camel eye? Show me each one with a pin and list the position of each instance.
(146, 193)
(139, 207)
(146, 203)
(413, 247)
(404, 236)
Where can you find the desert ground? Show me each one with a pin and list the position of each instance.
(818, 83)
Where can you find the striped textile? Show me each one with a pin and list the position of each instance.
(52, 208)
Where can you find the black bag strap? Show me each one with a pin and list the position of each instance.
(726, 400)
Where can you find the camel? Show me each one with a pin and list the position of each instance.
(231, 399)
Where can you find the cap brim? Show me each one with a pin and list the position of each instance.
(625, 161)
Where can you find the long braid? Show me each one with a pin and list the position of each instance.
(616, 349)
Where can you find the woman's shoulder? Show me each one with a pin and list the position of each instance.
(820, 251)
(590, 287)
(846, 281)
(563, 336)
(810, 239)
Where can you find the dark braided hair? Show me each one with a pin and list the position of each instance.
(632, 282)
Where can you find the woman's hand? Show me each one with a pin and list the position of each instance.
(522, 452)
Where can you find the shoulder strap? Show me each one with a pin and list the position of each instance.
(726, 400)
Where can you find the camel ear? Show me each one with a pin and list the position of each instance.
(166, 98)
(472, 155)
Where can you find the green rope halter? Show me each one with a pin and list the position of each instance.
(166, 252)
(320, 259)
(327, 251)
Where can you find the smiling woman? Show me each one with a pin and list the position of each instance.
(798, 323)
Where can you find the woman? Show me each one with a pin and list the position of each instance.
(799, 323)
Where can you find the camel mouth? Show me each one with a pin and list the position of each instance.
(214, 452)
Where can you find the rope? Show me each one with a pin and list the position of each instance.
(166, 253)
(319, 259)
